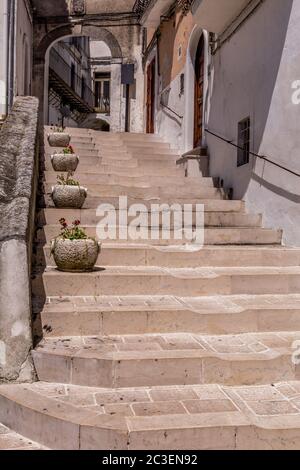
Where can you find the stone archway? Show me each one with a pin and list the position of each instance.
(41, 64)
(96, 33)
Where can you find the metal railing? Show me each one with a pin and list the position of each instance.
(141, 6)
(71, 78)
(261, 157)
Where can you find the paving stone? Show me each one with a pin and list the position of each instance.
(208, 406)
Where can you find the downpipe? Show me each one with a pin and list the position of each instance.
(4, 65)
(11, 53)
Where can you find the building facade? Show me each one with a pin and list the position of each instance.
(209, 76)
(225, 74)
(71, 97)
(16, 39)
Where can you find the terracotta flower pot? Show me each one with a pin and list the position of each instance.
(69, 196)
(65, 162)
(59, 139)
(75, 255)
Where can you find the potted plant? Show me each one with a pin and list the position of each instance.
(73, 250)
(66, 161)
(68, 193)
(58, 137)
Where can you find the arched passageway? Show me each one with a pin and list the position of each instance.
(124, 47)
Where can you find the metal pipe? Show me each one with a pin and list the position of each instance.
(4, 64)
(11, 52)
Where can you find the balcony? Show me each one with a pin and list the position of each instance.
(216, 15)
(69, 85)
(151, 11)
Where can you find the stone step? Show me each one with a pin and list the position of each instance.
(141, 153)
(178, 183)
(11, 441)
(135, 163)
(169, 359)
(202, 417)
(110, 136)
(215, 209)
(148, 193)
(96, 161)
(138, 163)
(80, 149)
(83, 140)
(211, 219)
(86, 155)
(136, 315)
(140, 156)
(193, 282)
(210, 205)
(113, 254)
(129, 137)
(137, 145)
(175, 237)
(121, 170)
(124, 157)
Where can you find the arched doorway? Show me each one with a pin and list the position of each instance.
(199, 93)
(150, 103)
(196, 74)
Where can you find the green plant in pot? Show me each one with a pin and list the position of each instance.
(66, 161)
(73, 250)
(68, 193)
(58, 137)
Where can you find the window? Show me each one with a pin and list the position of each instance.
(243, 156)
(181, 92)
(102, 92)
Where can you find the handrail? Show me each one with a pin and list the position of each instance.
(171, 110)
(262, 157)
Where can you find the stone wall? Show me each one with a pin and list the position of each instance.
(18, 181)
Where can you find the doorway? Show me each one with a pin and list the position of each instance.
(199, 93)
(150, 97)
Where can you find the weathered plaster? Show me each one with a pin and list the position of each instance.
(253, 76)
(17, 202)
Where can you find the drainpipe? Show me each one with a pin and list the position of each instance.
(4, 64)
(11, 52)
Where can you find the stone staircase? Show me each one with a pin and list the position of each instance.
(161, 347)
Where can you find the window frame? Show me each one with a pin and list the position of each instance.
(244, 141)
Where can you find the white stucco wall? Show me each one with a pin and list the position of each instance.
(99, 49)
(253, 76)
(168, 124)
(23, 67)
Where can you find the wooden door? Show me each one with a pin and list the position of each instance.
(199, 94)
(150, 97)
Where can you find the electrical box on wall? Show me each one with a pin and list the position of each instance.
(127, 74)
